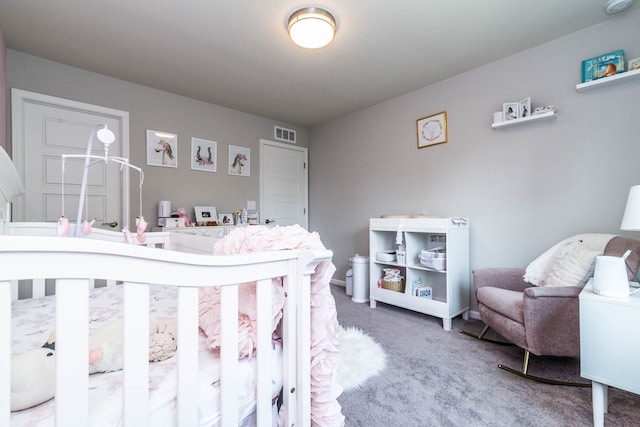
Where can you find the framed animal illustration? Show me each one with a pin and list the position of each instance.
(204, 155)
(162, 149)
(239, 161)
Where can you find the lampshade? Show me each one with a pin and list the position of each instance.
(631, 218)
(312, 27)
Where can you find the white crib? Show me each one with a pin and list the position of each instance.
(74, 263)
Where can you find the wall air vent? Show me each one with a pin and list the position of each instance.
(283, 134)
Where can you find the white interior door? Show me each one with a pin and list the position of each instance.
(43, 129)
(283, 184)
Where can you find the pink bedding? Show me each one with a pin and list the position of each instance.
(325, 409)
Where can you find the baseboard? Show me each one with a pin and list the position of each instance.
(474, 315)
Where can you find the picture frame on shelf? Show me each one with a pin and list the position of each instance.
(162, 149)
(204, 155)
(206, 215)
(510, 110)
(225, 219)
(432, 130)
(524, 109)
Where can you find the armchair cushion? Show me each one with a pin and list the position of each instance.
(536, 269)
(571, 266)
(503, 301)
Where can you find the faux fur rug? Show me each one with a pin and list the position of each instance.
(360, 358)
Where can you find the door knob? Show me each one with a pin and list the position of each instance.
(112, 224)
(269, 221)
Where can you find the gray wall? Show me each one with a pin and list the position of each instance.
(523, 188)
(162, 111)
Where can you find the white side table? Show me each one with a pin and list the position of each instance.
(609, 346)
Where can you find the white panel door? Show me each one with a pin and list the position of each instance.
(45, 128)
(283, 184)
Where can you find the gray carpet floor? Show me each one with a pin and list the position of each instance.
(439, 378)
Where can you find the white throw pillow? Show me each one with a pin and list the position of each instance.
(572, 266)
(537, 268)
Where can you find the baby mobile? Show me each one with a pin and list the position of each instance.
(83, 227)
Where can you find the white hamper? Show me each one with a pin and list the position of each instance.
(360, 279)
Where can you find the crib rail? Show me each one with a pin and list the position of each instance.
(74, 263)
(37, 287)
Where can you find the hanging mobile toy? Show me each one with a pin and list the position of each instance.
(62, 228)
(86, 226)
(128, 237)
(141, 226)
(106, 137)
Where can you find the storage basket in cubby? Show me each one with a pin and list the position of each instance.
(397, 286)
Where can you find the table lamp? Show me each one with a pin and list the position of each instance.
(631, 218)
(610, 275)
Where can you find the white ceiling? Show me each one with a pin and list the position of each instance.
(236, 53)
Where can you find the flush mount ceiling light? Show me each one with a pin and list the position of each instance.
(312, 27)
(617, 6)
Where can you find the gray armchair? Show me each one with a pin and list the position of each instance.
(544, 321)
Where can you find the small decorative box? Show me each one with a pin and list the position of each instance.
(423, 291)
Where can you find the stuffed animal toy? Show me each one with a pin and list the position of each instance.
(33, 372)
(33, 379)
(182, 213)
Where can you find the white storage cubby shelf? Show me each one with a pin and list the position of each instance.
(450, 287)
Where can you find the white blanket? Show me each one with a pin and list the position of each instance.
(33, 319)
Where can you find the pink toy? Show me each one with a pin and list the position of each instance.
(182, 213)
(63, 226)
(86, 226)
(128, 237)
(141, 226)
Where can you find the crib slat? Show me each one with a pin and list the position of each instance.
(187, 357)
(229, 355)
(289, 343)
(303, 374)
(5, 355)
(263, 358)
(15, 288)
(72, 343)
(136, 354)
(37, 287)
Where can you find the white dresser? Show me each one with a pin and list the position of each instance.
(609, 346)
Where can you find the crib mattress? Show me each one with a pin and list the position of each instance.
(33, 320)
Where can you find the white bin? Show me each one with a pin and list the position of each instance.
(348, 280)
(360, 279)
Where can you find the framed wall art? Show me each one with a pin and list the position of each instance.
(432, 130)
(204, 155)
(162, 149)
(239, 161)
